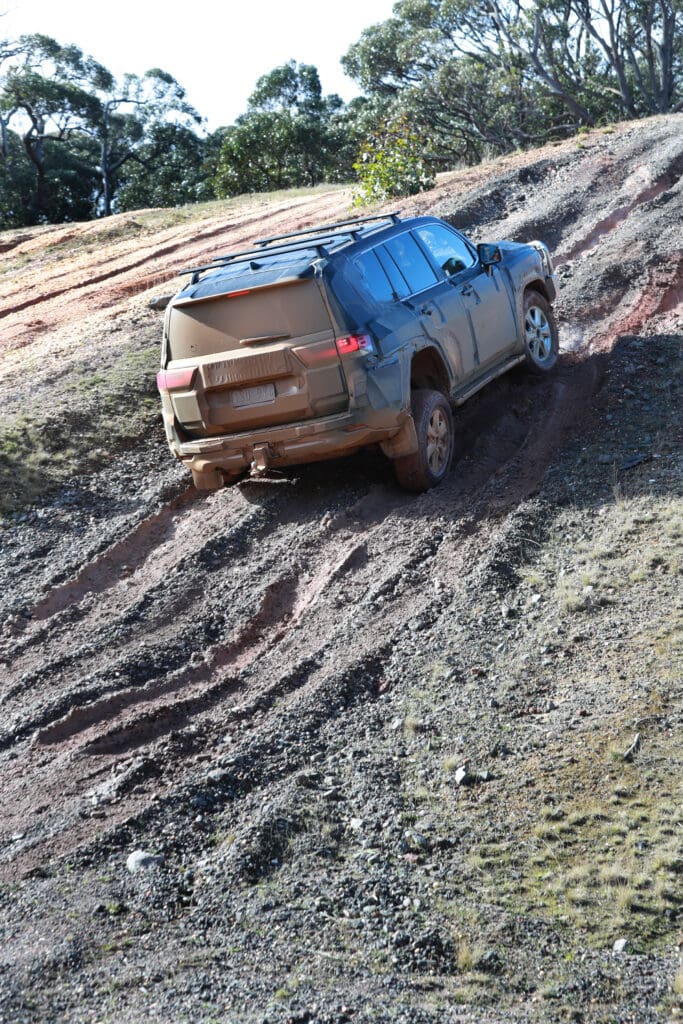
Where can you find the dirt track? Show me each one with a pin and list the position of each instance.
(200, 675)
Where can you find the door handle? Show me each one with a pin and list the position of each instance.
(426, 311)
(467, 289)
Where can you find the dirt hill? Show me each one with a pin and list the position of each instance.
(394, 758)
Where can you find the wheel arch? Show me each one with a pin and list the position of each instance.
(428, 370)
(537, 286)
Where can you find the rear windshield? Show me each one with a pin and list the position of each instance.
(220, 323)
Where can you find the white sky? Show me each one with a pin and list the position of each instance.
(216, 51)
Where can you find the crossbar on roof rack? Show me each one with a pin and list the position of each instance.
(393, 216)
(323, 235)
(242, 257)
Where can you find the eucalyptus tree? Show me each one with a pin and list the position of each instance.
(45, 91)
(127, 124)
(492, 74)
(288, 136)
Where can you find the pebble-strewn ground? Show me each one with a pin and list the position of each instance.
(389, 758)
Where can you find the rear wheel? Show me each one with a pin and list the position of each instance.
(541, 344)
(434, 428)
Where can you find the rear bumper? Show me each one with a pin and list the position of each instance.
(290, 444)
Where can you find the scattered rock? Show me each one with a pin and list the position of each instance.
(622, 946)
(141, 860)
(634, 460)
(489, 962)
(464, 777)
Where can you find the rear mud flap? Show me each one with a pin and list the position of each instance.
(403, 443)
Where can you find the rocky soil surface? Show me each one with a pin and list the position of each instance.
(319, 750)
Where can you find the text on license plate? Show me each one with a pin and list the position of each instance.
(253, 396)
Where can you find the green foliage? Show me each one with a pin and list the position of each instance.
(291, 135)
(479, 80)
(78, 128)
(172, 167)
(394, 161)
(487, 78)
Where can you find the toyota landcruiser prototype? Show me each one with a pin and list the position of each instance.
(369, 331)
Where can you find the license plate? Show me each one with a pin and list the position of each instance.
(253, 396)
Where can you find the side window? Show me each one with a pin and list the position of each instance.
(375, 280)
(398, 281)
(411, 261)
(449, 251)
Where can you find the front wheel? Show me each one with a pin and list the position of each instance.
(434, 428)
(541, 344)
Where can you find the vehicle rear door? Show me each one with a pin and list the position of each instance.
(261, 356)
(435, 302)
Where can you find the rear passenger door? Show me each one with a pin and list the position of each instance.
(485, 296)
(437, 305)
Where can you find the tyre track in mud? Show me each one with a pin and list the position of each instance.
(298, 621)
(192, 244)
(341, 563)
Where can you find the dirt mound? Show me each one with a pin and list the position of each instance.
(274, 687)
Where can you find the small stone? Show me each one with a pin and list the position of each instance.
(463, 777)
(217, 774)
(356, 824)
(622, 946)
(141, 860)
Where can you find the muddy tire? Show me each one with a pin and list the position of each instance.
(541, 343)
(434, 428)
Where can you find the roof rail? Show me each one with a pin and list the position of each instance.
(254, 254)
(393, 216)
(323, 235)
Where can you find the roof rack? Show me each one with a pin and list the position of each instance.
(394, 217)
(253, 254)
(323, 235)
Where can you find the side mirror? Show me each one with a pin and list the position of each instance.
(488, 255)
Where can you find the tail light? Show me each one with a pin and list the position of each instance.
(355, 343)
(170, 379)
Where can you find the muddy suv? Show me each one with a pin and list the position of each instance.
(368, 331)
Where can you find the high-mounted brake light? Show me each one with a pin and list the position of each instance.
(354, 343)
(168, 379)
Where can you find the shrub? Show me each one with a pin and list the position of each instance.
(394, 161)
